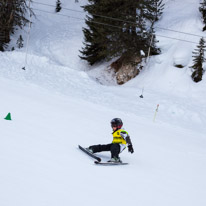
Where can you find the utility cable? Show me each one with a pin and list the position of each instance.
(109, 25)
(116, 19)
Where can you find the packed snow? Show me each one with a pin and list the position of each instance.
(59, 102)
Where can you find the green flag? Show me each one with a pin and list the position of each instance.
(8, 117)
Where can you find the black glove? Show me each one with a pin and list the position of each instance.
(130, 148)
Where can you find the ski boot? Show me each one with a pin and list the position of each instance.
(115, 160)
(89, 150)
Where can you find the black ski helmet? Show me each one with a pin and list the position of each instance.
(116, 122)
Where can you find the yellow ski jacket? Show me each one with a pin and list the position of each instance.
(119, 136)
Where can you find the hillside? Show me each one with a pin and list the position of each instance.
(59, 102)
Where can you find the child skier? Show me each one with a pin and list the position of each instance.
(121, 139)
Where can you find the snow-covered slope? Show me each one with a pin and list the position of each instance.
(56, 104)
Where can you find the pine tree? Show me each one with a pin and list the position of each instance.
(97, 32)
(153, 10)
(20, 42)
(12, 17)
(202, 9)
(150, 11)
(198, 60)
(58, 6)
(116, 28)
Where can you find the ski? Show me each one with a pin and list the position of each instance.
(110, 163)
(90, 154)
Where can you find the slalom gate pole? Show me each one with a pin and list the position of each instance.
(28, 36)
(147, 60)
(141, 96)
(155, 113)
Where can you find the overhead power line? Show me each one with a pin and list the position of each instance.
(112, 26)
(116, 19)
(79, 18)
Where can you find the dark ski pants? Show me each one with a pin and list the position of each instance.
(113, 148)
